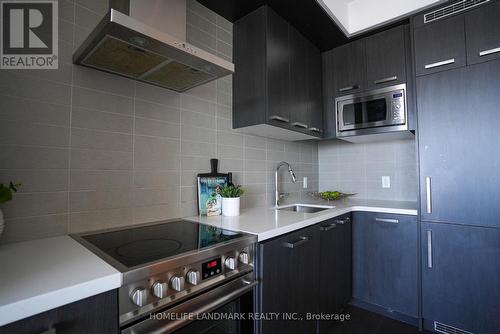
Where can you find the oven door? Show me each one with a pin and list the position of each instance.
(382, 107)
(224, 309)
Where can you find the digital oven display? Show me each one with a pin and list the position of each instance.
(211, 268)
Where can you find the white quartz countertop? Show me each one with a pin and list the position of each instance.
(39, 275)
(268, 223)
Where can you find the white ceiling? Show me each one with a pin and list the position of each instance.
(357, 16)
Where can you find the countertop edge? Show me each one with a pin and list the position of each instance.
(38, 304)
(328, 215)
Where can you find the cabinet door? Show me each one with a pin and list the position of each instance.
(278, 71)
(385, 261)
(314, 86)
(299, 112)
(289, 269)
(458, 123)
(329, 118)
(386, 58)
(349, 68)
(97, 314)
(461, 277)
(440, 45)
(335, 266)
(482, 27)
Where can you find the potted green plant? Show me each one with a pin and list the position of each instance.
(231, 200)
(5, 196)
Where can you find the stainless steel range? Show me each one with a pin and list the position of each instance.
(176, 267)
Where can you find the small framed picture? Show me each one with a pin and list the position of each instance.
(209, 198)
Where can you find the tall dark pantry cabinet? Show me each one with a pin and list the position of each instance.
(458, 101)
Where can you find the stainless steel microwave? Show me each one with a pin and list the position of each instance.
(377, 111)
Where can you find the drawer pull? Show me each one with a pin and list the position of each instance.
(488, 52)
(440, 63)
(346, 220)
(318, 130)
(301, 241)
(387, 220)
(300, 125)
(429, 249)
(389, 79)
(348, 88)
(428, 194)
(328, 227)
(279, 119)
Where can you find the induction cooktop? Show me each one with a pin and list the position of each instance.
(141, 245)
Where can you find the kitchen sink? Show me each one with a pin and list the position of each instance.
(304, 208)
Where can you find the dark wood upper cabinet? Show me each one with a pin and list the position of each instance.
(278, 70)
(440, 45)
(329, 120)
(482, 29)
(277, 79)
(314, 88)
(349, 68)
(299, 113)
(386, 58)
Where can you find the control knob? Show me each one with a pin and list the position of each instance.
(230, 263)
(159, 289)
(193, 277)
(177, 283)
(139, 296)
(243, 257)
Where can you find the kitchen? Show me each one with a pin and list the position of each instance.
(364, 141)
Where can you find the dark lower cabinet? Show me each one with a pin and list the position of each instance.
(306, 271)
(288, 272)
(461, 277)
(334, 267)
(96, 315)
(385, 263)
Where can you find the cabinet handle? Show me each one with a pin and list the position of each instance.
(318, 130)
(429, 249)
(345, 89)
(387, 220)
(300, 125)
(488, 52)
(302, 240)
(343, 221)
(328, 227)
(428, 194)
(440, 63)
(279, 119)
(380, 81)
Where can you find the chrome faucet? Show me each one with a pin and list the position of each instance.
(277, 194)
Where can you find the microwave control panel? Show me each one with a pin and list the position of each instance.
(398, 110)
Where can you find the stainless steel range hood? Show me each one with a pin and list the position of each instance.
(126, 45)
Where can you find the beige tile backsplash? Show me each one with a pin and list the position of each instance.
(95, 150)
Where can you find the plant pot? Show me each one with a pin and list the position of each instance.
(230, 206)
(2, 224)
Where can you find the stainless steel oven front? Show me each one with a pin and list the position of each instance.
(376, 111)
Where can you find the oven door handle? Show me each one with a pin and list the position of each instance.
(160, 323)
